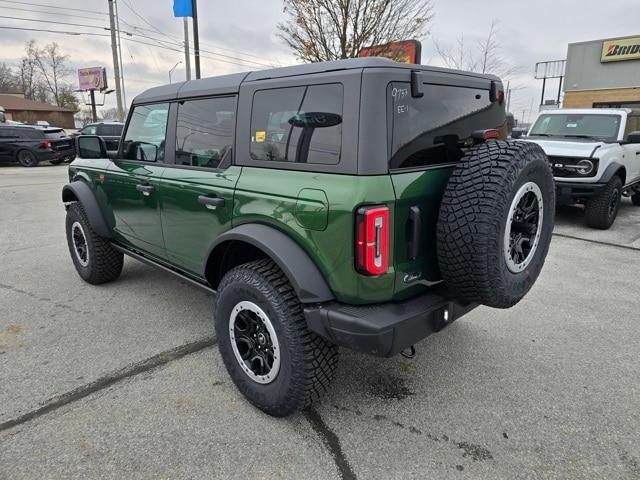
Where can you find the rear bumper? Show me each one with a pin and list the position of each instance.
(55, 154)
(571, 192)
(385, 329)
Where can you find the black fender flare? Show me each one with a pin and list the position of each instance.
(305, 277)
(81, 192)
(610, 171)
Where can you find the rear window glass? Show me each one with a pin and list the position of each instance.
(432, 130)
(54, 134)
(298, 124)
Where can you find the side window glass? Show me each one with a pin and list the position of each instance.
(90, 130)
(298, 124)
(205, 131)
(633, 124)
(145, 137)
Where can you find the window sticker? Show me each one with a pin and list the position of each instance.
(261, 136)
(572, 125)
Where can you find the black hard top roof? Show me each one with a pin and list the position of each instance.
(229, 84)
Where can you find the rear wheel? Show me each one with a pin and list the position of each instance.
(495, 223)
(96, 261)
(27, 158)
(277, 363)
(602, 209)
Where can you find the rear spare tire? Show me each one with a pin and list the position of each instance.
(495, 222)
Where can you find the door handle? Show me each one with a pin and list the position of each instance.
(146, 190)
(211, 202)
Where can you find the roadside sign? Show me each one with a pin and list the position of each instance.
(407, 51)
(182, 8)
(553, 69)
(92, 78)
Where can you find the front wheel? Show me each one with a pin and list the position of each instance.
(277, 363)
(27, 158)
(96, 261)
(602, 209)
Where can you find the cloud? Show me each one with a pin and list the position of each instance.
(529, 32)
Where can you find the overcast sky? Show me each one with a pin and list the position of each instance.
(528, 31)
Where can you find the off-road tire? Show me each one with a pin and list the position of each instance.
(104, 263)
(599, 212)
(307, 361)
(27, 158)
(473, 219)
(635, 199)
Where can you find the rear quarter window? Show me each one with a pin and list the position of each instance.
(432, 130)
(298, 124)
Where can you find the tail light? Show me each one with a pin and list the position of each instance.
(489, 134)
(372, 240)
(45, 144)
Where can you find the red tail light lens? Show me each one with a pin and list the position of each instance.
(372, 240)
(45, 144)
(489, 134)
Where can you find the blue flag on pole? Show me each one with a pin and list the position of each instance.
(182, 8)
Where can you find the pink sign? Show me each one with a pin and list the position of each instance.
(92, 78)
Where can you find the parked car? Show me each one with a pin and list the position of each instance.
(110, 132)
(363, 203)
(30, 145)
(595, 156)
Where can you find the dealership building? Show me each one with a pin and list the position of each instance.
(603, 74)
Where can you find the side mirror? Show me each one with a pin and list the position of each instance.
(90, 146)
(633, 137)
(315, 120)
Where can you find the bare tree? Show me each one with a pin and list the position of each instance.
(52, 65)
(43, 75)
(321, 30)
(483, 57)
(8, 78)
(29, 70)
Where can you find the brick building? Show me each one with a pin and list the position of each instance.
(20, 109)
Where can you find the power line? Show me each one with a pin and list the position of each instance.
(57, 8)
(55, 31)
(53, 21)
(51, 13)
(174, 40)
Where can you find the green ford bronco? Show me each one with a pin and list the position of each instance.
(359, 203)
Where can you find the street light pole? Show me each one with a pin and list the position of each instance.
(172, 69)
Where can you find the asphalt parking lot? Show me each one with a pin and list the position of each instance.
(124, 381)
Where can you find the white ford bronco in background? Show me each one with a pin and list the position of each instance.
(595, 157)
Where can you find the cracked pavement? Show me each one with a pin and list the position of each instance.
(124, 381)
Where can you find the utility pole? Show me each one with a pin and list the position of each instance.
(196, 39)
(116, 63)
(94, 114)
(187, 58)
(124, 94)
